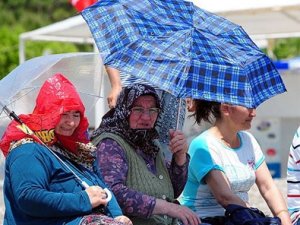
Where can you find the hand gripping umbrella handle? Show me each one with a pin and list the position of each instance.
(108, 192)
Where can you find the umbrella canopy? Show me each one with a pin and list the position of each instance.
(19, 89)
(183, 49)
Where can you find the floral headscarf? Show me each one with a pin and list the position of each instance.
(56, 96)
(116, 120)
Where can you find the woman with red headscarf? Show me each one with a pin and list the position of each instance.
(42, 179)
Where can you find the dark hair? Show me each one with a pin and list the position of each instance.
(204, 110)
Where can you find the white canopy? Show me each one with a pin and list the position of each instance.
(262, 20)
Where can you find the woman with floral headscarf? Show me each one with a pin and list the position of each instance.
(43, 171)
(131, 161)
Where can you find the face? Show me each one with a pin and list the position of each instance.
(144, 113)
(242, 116)
(69, 121)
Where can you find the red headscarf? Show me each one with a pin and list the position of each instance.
(56, 96)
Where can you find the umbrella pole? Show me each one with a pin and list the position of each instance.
(178, 114)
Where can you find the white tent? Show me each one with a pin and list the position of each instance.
(262, 19)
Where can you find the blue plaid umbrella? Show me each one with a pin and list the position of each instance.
(184, 50)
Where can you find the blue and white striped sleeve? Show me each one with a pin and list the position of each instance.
(293, 175)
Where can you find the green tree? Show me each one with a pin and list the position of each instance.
(24, 15)
(287, 48)
(9, 58)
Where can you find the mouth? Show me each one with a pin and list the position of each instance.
(144, 125)
(66, 130)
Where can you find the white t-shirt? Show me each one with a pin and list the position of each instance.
(239, 165)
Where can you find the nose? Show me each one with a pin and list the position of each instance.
(146, 115)
(70, 121)
(252, 112)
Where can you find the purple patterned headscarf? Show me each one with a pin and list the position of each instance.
(116, 120)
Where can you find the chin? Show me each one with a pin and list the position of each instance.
(247, 127)
(65, 133)
(143, 128)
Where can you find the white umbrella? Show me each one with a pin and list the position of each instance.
(18, 90)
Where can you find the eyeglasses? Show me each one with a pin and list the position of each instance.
(138, 111)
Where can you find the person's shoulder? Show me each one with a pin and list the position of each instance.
(26, 147)
(199, 142)
(248, 140)
(203, 136)
(245, 135)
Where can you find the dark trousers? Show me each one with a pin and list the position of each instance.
(217, 220)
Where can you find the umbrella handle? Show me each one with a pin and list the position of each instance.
(107, 192)
(11, 114)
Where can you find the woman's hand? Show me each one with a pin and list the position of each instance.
(116, 86)
(113, 96)
(178, 146)
(97, 196)
(184, 214)
(123, 219)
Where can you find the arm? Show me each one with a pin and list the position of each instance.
(116, 86)
(178, 175)
(184, 214)
(30, 168)
(132, 202)
(220, 188)
(271, 194)
(178, 169)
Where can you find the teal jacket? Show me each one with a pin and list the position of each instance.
(39, 190)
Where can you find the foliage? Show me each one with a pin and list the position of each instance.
(24, 15)
(287, 48)
(9, 49)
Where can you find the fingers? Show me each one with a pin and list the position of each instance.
(97, 196)
(124, 219)
(111, 102)
(187, 216)
(112, 97)
(178, 142)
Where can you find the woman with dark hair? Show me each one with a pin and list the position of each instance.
(51, 177)
(226, 161)
(131, 161)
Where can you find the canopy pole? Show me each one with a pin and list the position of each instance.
(270, 48)
(21, 50)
